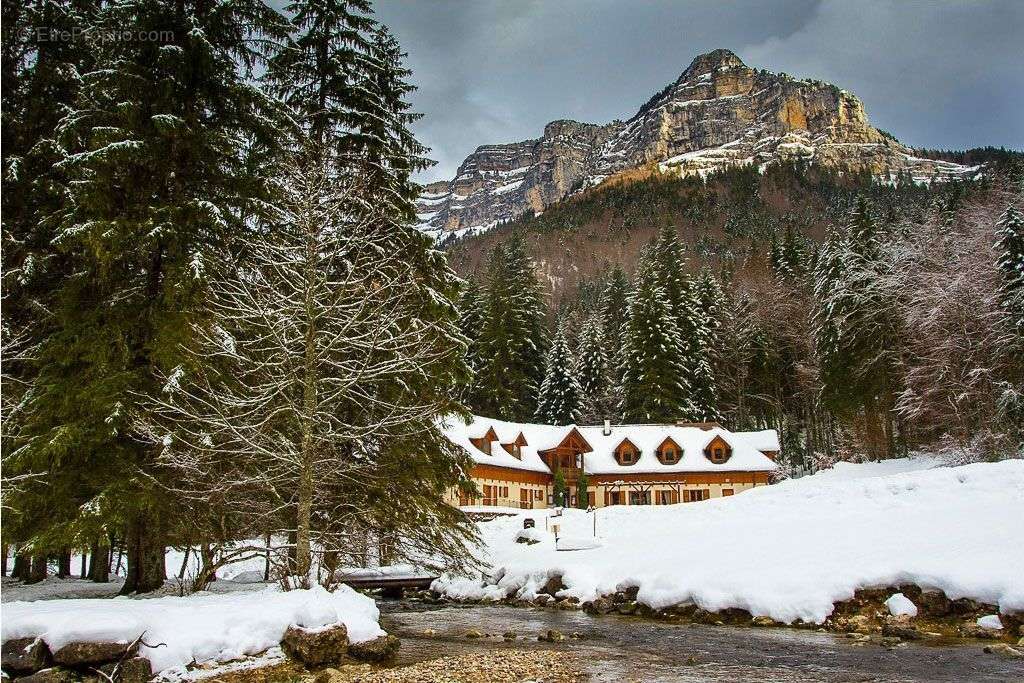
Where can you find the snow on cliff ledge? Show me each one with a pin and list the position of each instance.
(790, 550)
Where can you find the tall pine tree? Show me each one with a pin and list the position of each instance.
(593, 373)
(559, 400)
(1010, 261)
(654, 387)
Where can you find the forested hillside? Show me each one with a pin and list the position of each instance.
(856, 317)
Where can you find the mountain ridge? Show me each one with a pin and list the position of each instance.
(719, 113)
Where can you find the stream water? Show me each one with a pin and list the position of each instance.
(618, 648)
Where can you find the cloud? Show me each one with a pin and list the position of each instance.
(934, 74)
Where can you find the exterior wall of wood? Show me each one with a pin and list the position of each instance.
(531, 490)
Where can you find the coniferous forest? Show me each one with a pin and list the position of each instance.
(218, 321)
(859, 319)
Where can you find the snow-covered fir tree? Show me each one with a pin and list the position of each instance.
(654, 386)
(614, 300)
(593, 372)
(513, 340)
(560, 394)
(1010, 261)
(693, 338)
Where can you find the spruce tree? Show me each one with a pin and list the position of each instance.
(693, 338)
(1010, 261)
(155, 145)
(559, 400)
(614, 301)
(513, 339)
(559, 490)
(654, 387)
(705, 389)
(592, 372)
(582, 495)
(471, 320)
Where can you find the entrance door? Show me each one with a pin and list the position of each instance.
(525, 499)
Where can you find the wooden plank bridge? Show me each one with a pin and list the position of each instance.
(389, 585)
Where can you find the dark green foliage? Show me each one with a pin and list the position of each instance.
(513, 339)
(1010, 260)
(560, 492)
(582, 499)
(654, 386)
(559, 400)
(592, 371)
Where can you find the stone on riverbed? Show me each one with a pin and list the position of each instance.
(25, 654)
(81, 654)
(319, 647)
(52, 675)
(379, 649)
(133, 670)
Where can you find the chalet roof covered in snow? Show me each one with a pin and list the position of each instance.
(748, 448)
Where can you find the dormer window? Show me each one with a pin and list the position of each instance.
(669, 452)
(484, 442)
(515, 449)
(626, 453)
(718, 451)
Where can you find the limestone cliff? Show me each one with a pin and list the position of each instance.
(719, 112)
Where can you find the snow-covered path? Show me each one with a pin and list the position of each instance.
(787, 551)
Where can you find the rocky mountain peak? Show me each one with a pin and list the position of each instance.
(710, 62)
(719, 114)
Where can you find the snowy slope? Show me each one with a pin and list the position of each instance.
(790, 550)
(203, 627)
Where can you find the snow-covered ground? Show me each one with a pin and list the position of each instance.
(203, 627)
(787, 551)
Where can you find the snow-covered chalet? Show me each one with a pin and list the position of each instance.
(644, 464)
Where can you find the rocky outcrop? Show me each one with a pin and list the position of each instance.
(380, 649)
(316, 647)
(718, 113)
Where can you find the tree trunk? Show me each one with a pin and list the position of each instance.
(37, 569)
(64, 564)
(20, 569)
(303, 556)
(184, 564)
(145, 547)
(266, 561)
(99, 563)
(83, 572)
(5, 549)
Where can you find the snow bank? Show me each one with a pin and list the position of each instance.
(787, 551)
(202, 627)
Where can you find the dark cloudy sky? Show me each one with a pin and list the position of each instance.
(935, 74)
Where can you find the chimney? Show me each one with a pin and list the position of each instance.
(607, 431)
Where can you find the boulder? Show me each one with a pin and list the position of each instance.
(626, 607)
(551, 636)
(24, 654)
(553, 585)
(933, 603)
(963, 606)
(975, 631)
(316, 647)
(567, 603)
(860, 623)
(599, 606)
(473, 633)
(764, 621)
(81, 654)
(52, 675)
(379, 649)
(899, 629)
(131, 670)
(996, 649)
(509, 636)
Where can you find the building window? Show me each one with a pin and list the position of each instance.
(726, 492)
(538, 494)
(667, 498)
(695, 496)
(639, 497)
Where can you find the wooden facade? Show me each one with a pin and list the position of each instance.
(647, 475)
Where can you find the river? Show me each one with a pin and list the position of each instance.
(618, 648)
